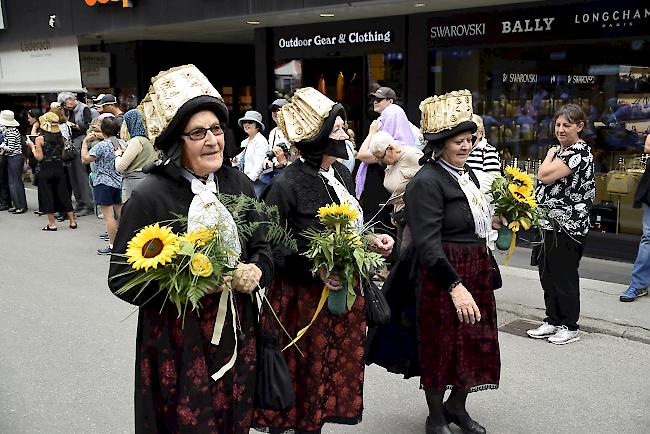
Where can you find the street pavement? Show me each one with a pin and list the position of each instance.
(68, 352)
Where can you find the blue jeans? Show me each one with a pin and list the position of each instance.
(641, 270)
(16, 186)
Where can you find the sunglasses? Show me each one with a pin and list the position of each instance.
(377, 100)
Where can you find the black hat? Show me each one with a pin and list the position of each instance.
(384, 92)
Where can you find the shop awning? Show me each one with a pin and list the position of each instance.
(40, 66)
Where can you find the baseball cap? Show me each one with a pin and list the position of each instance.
(104, 99)
(384, 92)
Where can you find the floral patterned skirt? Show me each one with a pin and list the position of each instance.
(328, 380)
(452, 354)
(174, 391)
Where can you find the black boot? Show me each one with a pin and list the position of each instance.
(454, 412)
(436, 422)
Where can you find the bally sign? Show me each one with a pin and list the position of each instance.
(125, 3)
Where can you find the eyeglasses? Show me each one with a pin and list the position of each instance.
(200, 133)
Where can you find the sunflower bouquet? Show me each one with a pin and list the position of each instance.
(512, 195)
(340, 249)
(185, 266)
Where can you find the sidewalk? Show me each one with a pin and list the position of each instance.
(600, 310)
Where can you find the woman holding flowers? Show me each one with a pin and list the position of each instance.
(183, 382)
(327, 363)
(566, 191)
(451, 338)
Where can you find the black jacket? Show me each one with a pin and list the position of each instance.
(642, 195)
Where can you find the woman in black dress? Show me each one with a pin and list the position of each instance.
(53, 195)
(174, 388)
(328, 379)
(452, 343)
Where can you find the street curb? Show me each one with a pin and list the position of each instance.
(587, 324)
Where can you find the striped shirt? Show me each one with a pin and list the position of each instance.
(484, 157)
(11, 144)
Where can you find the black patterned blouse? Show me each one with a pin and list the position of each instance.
(569, 199)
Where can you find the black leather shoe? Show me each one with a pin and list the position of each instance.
(464, 422)
(437, 429)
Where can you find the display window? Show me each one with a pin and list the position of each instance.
(518, 89)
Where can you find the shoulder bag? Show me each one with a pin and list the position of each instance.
(274, 388)
(377, 309)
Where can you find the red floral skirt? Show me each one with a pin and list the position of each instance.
(174, 391)
(452, 354)
(328, 380)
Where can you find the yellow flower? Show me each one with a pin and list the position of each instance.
(354, 238)
(200, 265)
(199, 238)
(514, 226)
(520, 193)
(152, 246)
(332, 214)
(523, 178)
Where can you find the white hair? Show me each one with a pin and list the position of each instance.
(380, 141)
(64, 96)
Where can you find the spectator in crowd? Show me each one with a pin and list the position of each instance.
(5, 197)
(108, 104)
(369, 187)
(53, 195)
(641, 270)
(138, 153)
(276, 161)
(90, 102)
(32, 120)
(79, 117)
(484, 161)
(12, 149)
(251, 159)
(276, 136)
(350, 147)
(403, 163)
(566, 188)
(484, 158)
(107, 185)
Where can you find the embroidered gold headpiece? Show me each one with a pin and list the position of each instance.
(168, 92)
(445, 112)
(304, 116)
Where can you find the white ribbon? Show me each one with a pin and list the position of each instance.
(207, 211)
(343, 195)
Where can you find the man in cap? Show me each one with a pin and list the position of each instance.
(79, 118)
(90, 102)
(108, 104)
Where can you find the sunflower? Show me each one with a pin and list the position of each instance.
(520, 193)
(522, 178)
(335, 214)
(152, 246)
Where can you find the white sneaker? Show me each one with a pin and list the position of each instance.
(564, 336)
(543, 331)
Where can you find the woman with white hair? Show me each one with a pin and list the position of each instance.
(402, 162)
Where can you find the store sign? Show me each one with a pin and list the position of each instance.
(125, 3)
(40, 66)
(599, 19)
(95, 69)
(522, 78)
(337, 39)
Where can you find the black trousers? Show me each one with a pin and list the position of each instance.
(558, 273)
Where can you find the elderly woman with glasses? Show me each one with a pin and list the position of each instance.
(443, 325)
(177, 384)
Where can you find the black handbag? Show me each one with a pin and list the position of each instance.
(274, 388)
(497, 281)
(70, 153)
(377, 309)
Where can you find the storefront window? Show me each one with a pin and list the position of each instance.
(518, 90)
